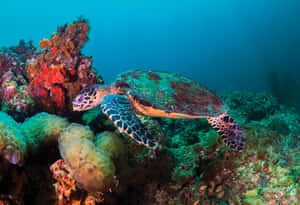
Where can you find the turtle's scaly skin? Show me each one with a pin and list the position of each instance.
(231, 132)
(159, 94)
(92, 96)
(120, 111)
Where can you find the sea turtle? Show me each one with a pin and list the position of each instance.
(158, 94)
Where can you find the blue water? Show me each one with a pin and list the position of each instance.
(225, 44)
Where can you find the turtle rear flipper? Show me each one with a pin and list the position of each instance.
(120, 111)
(231, 132)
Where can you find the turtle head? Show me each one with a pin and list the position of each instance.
(90, 97)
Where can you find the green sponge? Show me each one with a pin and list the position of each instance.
(12, 141)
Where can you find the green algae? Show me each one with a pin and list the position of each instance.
(186, 161)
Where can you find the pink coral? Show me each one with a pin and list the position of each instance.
(14, 95)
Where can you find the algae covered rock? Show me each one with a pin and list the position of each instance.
(186, 161)
(182, 132)
(247, 106)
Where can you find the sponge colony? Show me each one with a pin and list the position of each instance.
(111, 143)
(92, 168)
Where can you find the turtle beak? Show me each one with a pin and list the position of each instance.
(75, 108)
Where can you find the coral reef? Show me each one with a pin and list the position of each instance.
(193, 163)
(60, 71)
(21, 53)
(248, 106)
(204, 171)
(262, 174)
(46, 80)
(14, 97)
(90, 164)
(95, 172)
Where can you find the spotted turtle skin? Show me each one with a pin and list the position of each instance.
(159, 94)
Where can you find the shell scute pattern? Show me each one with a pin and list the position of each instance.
(171, 92)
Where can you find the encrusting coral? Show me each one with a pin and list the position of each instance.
(60, 71)
(14, 96)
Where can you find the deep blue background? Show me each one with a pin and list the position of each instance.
(225, 44)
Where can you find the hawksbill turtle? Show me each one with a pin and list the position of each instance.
(158, 94)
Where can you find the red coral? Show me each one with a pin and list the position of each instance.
(58, 96)
(59, 65)
(53, 50)
(46, 87)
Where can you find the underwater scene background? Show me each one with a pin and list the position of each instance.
(86, 119)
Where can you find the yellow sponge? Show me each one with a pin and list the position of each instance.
(17, 139)
(111, 143)
(92, 168)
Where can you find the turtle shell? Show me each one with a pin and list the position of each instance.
(170, 92)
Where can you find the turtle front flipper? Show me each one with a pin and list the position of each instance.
(120, 111)
(231, 132)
